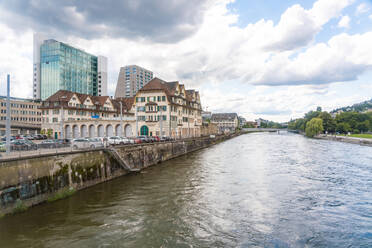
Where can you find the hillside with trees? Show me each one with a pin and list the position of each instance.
(359, 107)
(343, 123)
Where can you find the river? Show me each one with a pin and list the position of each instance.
(256, 190)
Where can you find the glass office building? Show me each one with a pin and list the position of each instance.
(63, 67)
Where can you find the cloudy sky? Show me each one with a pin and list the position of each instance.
(271, 59)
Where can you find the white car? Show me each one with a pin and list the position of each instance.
(80, 143)
(95, 143)
(127, 140)
(115, 140)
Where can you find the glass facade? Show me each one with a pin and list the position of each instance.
(66, 68)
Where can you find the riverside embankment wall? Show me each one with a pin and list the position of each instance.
(346, 139)
(29, 181)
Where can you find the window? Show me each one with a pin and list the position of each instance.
(163, 98)
(55, 119)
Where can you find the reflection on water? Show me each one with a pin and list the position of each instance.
(256, 190)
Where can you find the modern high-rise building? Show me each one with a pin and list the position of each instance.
(58, 66)
(131, 79)
(102, 76)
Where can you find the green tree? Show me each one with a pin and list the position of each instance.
(343, 127)
(314, 127)
(363, 126)
(329, 124)
(49, 133)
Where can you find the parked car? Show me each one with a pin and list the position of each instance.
(144, 139)
(38, 137)
(23, 145)
(137, 140)
(126, 140)
(29, 137)
(166, 138)
(11, 138)
(48, 144)
(80, 143)
(115, 140)
(132, 140)
(95, 143)
(2, 147)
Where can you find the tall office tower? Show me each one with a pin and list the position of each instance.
(131, 79)
(102, 76)
(38, 41)
(59, 66)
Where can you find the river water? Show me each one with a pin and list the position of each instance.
(256, 190)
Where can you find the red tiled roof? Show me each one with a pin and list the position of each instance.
(126, 101)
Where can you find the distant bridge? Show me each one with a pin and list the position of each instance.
(263, 129)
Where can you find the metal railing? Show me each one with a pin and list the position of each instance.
(55, 149)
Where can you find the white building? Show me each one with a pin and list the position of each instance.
(102, 76)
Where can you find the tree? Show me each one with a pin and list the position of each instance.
(343, 127)
(314, 127)
(363, 126)
(329, 123)
(49, 132)
(319, 109)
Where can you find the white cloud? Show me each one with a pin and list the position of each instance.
(260, 53)
(344, 22)
(362, 8)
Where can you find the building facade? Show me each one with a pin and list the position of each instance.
(226, 122)
(102, 76)
(242, 121)
(67, 114)
(168, 109)
(131, 79)
(58, 66)
(25, 116)
(261, 121)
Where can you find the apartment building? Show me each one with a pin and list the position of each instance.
(71, 115)
(131, 79)
(226, 122)
(167, 109)
(25, 115)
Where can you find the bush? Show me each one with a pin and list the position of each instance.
(62, 194)
(314, 127)
(19, 207)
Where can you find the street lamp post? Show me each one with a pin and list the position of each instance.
(8, 116)
(62, 120)
(121, 118)
(136, 121)
(161, 121)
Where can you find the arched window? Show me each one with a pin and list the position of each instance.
(144, 130)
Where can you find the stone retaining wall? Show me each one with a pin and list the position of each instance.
(30, 181)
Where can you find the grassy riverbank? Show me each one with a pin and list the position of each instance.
(364, 136)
